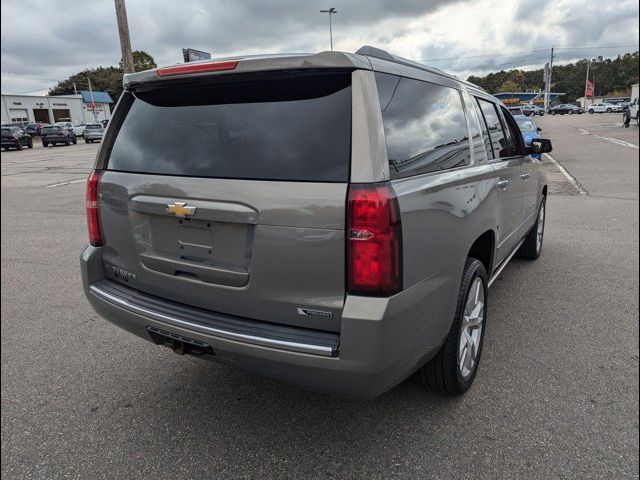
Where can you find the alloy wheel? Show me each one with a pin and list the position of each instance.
(540, 228)
(471, 329)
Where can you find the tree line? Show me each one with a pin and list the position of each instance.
(612, 76)
(103, 79)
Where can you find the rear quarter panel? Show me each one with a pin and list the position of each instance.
(442, 216)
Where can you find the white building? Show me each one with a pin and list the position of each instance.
(45, 109)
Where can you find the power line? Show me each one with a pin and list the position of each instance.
(494, 54)
(532, 50)
(30, 78)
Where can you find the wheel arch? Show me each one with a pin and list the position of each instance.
(483, 249)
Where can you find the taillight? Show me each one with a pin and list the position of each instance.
(93, 210)
(374, 240)
(197, 68)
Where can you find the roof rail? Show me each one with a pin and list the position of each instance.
(374, 52)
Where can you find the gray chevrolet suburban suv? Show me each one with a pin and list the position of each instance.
(332, 220)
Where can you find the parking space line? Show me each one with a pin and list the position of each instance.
(618, 142)
(62, 184)
(567, 175)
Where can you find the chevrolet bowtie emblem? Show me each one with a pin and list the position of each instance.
(180, 209)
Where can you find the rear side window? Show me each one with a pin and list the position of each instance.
(498, 138)
(424, 124)
(259, 127)
(479, 136)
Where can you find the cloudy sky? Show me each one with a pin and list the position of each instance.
(44, 41)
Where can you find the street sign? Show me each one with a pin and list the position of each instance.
(191, 55)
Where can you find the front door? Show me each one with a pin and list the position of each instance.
(507, 162)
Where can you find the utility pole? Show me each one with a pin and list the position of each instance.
(93, 103)
(331, 11)
(586, 85)
(125, 41)
(547, 93)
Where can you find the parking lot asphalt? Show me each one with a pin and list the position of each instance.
(556, 394)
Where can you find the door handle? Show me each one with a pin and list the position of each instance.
(503, 184)
(525, 176)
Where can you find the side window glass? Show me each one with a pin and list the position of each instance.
(515, 136)
(496, 132)
(425, 126)
(480, 142)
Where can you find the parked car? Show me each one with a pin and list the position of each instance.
(68, 125)
(54, 134)
(93, 132)
(79, 129)
(290, 236)
(565, 108)
(532, 110)
(15, 137)
(602, 108)
(516, 110)
(530, 131)
(34, 128)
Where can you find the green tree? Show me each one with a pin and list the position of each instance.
(610, 75)
(105, 79)
(141, 61)
(509, 86)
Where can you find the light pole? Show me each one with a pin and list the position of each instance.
(331, 11)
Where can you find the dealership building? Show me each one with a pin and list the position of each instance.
(523, 98)
(81, 108)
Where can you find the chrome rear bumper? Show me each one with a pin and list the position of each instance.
(221, 326)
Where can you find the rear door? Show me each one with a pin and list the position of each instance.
(507, 165)
(229, 194)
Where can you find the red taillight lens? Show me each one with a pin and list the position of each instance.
(93, 210)
(374, 238)
(197, 68)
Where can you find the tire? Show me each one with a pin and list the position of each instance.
(19, 146)
(443, 373)
(45, 144)
(552, 113)
(86, 141)
(30, 144)
(591, 111)
(570, 112)
(532, 246)
(67, 142)
(609, 110)
(74, 140)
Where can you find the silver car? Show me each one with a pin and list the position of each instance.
(332, 220)
(93, 132)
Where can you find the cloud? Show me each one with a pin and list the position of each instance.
(43, 41)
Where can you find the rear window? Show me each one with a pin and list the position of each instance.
(261, 127)
(7, 132)
(525, 124)
(94, 126)
(50, 129)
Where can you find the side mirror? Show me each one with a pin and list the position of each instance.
(539, 129)
(540, 145)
